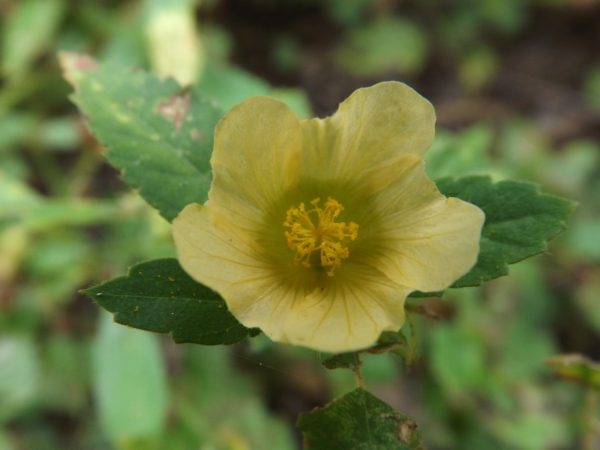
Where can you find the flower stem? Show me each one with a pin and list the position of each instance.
(412, 348)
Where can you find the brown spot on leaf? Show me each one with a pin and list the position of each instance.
(406, 430)
(72, 63)
(85, 63)
(176, 108)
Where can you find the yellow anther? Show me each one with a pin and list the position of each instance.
(324, 234)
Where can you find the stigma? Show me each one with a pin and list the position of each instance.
(316, 230)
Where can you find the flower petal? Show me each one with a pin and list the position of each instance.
(416, 236)
(259, 290)
(370, 132)
(255, 161)
(349, 312)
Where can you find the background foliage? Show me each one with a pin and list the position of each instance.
(516, 86)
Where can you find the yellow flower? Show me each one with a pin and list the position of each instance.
(315, 231)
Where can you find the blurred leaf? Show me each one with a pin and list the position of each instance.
(349, 12)
(523, 147)
(160, 137)
(584, 237)
(58, 212)
(28, 30)
(36, 213)
(592, 88)
(295, 99)
(458, 360)
(15, 196)
(173, 43)
(533, 431)
(519, 222)
(66, 368)
(60, 133)
(14, 129)
(14, 244)
(505, 15)
(286, 54)
(460, 154)
(477, 69)
(387, 44)
(576, 368)
(379, 369)
(569, 170)
(130, 384)
(58, 263)
(358, 420)
(525, 361)
(220, 407)
(5, 442)
(126, 44)
(19, 376)
(159, 296)
(586, 298)
(230, 85)
(217, 42)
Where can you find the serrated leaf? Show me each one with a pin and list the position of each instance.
(519, 221)
(157, 134)
(576, 368)
(159, 296)
(358, 421)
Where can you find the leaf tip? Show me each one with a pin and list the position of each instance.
(74, 64)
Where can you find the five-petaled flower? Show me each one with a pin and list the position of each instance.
(315, 231)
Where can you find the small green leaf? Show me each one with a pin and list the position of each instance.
(343, 361)
(519, 221)
(358, 421)
(576, 368)
(159, 296)
(157, 134)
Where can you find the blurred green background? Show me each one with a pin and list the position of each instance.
(516, 86)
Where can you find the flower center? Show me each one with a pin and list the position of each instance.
(321, 234)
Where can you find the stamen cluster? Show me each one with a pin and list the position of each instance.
(327, 236)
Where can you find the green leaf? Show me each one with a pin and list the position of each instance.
(159, 296)
(519, 221)
(358, 421)
(158, 135)
(130, 384)
(576, 368)
(343, 361)
(20, 376)
(387, 44)
(27, 32)
(230, 85)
